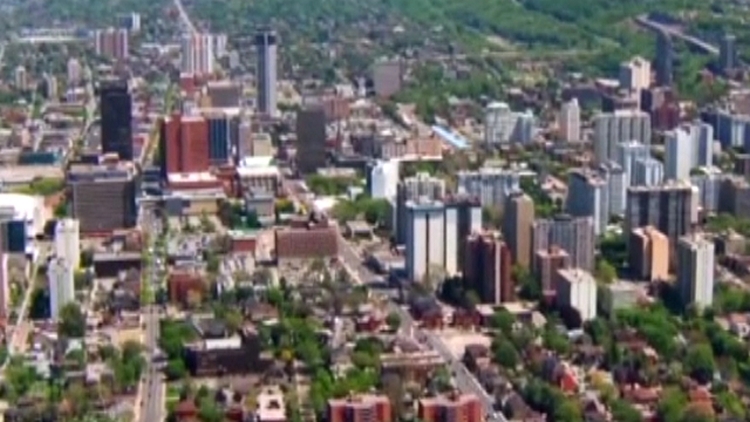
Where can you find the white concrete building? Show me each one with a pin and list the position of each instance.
(678, 154)
(384, 178)
(61, 287)
(502, 125)
(647, 172)
(610, 129)
(635, 74)
(5, 301)
(576, 288)
(695, 273)
(490, 184)
(588, 196)
(627, 153)
(68, 241)
(197, 54)
(425, 238)
(569, 121)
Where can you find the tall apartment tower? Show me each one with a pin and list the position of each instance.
(649, 254)
(61, 287)
(575, 235)
(425, 238)
(463, 216)
(678, 146)
(647, 172)
(635, 74)
(664, 59)
(610, 129)
(117, 119)
(265, 43)
(517, 221)
(5, 299)
(198, 54)
(420, 186)
(68, 241)
(728, 53)
(570, 121)
(487, 268)
(184, 144)
(627, 154)
(670, 208)
(695, 271)
(311, 139)
(588, 196)
(491, 185)
(112, 43)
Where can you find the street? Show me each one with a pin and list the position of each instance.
(464, 380)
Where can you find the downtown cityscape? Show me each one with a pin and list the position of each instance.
(346, 211)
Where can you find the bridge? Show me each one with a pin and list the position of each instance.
(698, 43)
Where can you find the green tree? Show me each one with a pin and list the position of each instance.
(72, 322)
(393, 320)
(568, 411)
(209, 411)
(623, 411)
(503, 320)
(671, 406)
(605, 272)
(505, 353)
(700, 363)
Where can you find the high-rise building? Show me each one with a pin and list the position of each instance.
(678, 145)
(588, 196)
(517, 220)
(61, 287)
(68, 241)
(219, 137)
(130, 21)
(487, 268)
(664, 59)
(610, 129)
(184, 144)
(387, 77)
(5, 299)
(265, 43)
(198, 57)
(635, 74)
(576, 288)
(463, 216)
(311, 139)
(709, 182)
(382, 181)
(575, 235)
(734, 196)
(647, 172)
(649, 254)
(21, 78)
(102, 197)
(422, 185)
(454, 407)
(617, 186)
(117, 119)
(728, 53)
(502, 125)
(112, 43)
(491, 186)
(569, 121)
(547, 263)
(627, 154)
(425, 238)
(669, 208)
(75, 72)
(695, 271)
(360, 408)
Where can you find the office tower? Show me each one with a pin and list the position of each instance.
(112, 43)
(387, 77)
(734, 196)
(265, 43)
(635, 74)
(68, 241)
(588, 196)
(627, 153)
(664, 58)
(491, 185)
(695, 270)
(703, 144)
(649, 254)
(219, 137)
(74, 72)
(130, 22)
(220, 44)
(425, 238)
(502, 125)
(61, 287)
(117, 119)
(610, 129)
(102, 197)
(197, 54)
(184, 144)
(617, 184)
(669, 208)
(411, 189)
(647, 172)
(487, 268)
(383, 179)
(463, 216)
(708, 181)
(21, 78)
(5, 299)
(361, 408)
(569, 121)
(728, 53)
(576, 289)
(517, 220)
(547, 263)
(575, 235)
(311, 139)
(678, 146)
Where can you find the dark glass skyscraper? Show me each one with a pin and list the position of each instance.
(664, 59)
(265, 43)
(117, 119)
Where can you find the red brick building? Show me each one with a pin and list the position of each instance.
(184, 144)
(361, 408)
(185, 286)
(453, 407)
(311, 239)
(487, 268)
